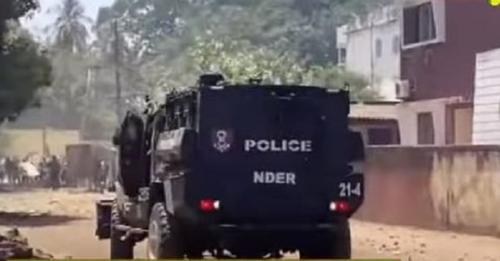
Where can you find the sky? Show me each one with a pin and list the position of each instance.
(43, 18)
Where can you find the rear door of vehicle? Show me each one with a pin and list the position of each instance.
(271, 155)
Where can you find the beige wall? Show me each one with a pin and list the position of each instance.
(454, 187)
(463, 125)
(17, 142)
(407, 116)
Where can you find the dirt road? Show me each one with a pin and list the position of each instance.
(61, 223)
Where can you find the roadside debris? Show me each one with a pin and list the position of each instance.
(14, 246)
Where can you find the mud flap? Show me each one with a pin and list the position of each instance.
(103, 218)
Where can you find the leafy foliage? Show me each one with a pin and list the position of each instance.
(69, 26)
(14, 9)
(239, 61)
(76, 96)
(167, 43)
(66, 94)
(24, 69)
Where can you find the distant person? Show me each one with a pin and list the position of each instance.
(64, 171)
(3, 173)
(101, 175)
(12, 170)
(7, 168)
(42, 167)
(54, 168)
(29, 173)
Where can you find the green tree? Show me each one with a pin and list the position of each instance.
(239, 61)
(71, 33)
(307, 28)
(24, 68)
(68, 53)
(12, 10)
(145, 22)
(67, 92)
(281, 40)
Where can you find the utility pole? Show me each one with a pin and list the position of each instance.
(83, 123)
(372, 62)
(92, 71)
(117, 62)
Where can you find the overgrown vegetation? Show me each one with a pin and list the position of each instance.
(24, 69)
(162, 45)
(282, 41)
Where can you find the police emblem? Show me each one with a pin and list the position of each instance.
(221, 140)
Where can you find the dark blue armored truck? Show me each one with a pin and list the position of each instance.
(244, 171)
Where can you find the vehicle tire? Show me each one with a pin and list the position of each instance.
(341, 248)
(120, 249)
(335, 246)
(164, 239)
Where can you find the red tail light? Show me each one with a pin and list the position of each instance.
(342, 207)
(209, 205)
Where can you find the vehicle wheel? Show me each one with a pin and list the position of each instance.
(335, 246)
(342, 242)
(164, 241)
(120, 249)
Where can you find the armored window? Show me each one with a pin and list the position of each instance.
(168, 119)
(190, 115)
(171, 119)
(185, 114)
(177, 117)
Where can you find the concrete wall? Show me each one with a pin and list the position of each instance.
(452, 187)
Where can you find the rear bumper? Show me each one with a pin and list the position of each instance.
(259, 228)
(103, 218)
(266, 238)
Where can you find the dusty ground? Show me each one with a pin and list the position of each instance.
(61, 223)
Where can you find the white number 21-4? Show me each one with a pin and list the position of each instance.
(347, 189)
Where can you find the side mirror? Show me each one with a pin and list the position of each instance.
(356, 146)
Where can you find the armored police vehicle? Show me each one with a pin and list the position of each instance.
(245, 171)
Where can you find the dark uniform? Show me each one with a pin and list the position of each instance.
(54, 171)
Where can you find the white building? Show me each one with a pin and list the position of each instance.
(486, 116)
(371, 47)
